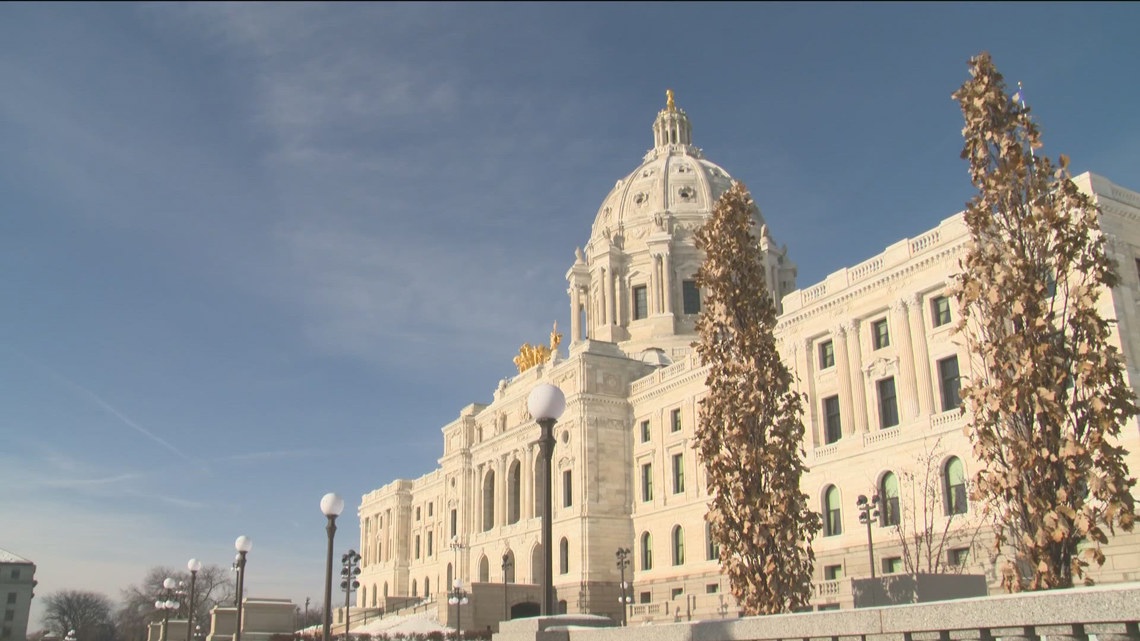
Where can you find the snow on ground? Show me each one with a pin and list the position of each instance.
(418, 623)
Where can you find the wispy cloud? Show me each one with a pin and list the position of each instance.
(276, 455)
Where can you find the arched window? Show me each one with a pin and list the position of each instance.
(954, 486)
(514, 492)
(489, 501)
(414, 593)
(427, 586)
(509, 567)
(678, 545)
(385, 589)
(832, 516)
(363, 596)
(537, 562)
(646, 551)
(484, 570)
(450, 575)
(373, 595)
(563, 556)
(889, 495)
(562, 606)
(712, 548)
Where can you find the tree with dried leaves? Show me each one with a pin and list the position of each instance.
(88, 613)
(926, 528)
(750, 433)
(1047, 395)
(213, 586)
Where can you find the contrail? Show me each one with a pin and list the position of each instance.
(110, 409)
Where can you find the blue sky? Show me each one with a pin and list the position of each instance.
(251, 254)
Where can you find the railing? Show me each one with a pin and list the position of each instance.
(864, 269)
(924, 241)
(872, 438)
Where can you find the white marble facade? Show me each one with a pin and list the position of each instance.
(872, 347)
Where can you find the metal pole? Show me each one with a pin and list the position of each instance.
(165, 620)
(190, 606)
(870, 545)
(241, 589)
(546, 445)
(347, 605)
(331, 529)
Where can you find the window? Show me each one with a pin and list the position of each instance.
(1050, 284)
(640, 303)
(956, 557)
(711, 588)
(832, 572)
(15, 574)
(563, 556)
(940, 310)
(489, 501)
(880, 334)
(645, 435)
(889, 495)
(11, 597)
(647, 482)
(484, 570)
(892, 565)
(567, 489)
(832, 421)
(514, 493)
(675, 420)
(712, 548)
(417, 513)
(645, 597)
(888, 403)
(950, 383)
(646, 551)
(417, 546)
(826, 355)
(691, 295)
(430, 506)
(678, 473)
(430, 545)
(954, 486)
(832, 517)
(454, 522)
(9, 615)
(678, 545)
(676, 593)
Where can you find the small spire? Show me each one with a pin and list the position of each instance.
(669, 104)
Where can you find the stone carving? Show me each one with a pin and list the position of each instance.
(640, 198)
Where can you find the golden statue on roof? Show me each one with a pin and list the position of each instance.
(669, 104)
(531, 355)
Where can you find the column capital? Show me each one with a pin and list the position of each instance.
(900, 305)
(912, 300)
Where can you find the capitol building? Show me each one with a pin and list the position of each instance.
(872, 347)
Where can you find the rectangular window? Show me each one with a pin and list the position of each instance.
(940, 310)
(678, 473)
(430, 545)
(892, 565)
(645, 435)
(417, 513)
(417, 546)
(430, 506)
(9, 615)
(647, 482)
(640, 303)
(675, 418)
(832, 420)
(645, 597)
(11, 597)
(567, 489)
(826, 355)
(956, 557)
(691, 294)
(880, 334)
(712, 588)
(454, 522)
(888, 403)
(950, 383)
(832, 572)
(15, 574)
(677, 593)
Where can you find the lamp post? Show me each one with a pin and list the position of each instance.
(331, 506)
(243, 545)
(626, 598)
(70, 636)
(166, 602)
(868, 511)
(193, 565)
(458, 598)
(198, 632)
(546, 404)
(507, 565)
(349, 571)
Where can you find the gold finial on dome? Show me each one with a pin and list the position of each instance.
(531, 355)
(669, 104)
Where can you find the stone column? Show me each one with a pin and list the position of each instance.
(806, 373)
(575, 314)
(921, 356)
(858, 384)
(667, 283)
(613, 316)
(844, 372)
(603, 304)
(907, 389)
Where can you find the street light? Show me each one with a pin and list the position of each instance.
(243, 545)
(331, 506)
(458, 598)
(507, 565)
(626, 597)
(70, 636)
(348, 582)
(546, 404)
(166, 602)
(193, 565)
(868, 512)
